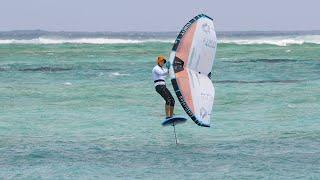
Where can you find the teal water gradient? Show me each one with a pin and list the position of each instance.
(90, 111)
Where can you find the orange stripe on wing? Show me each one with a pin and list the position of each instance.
(182, 77)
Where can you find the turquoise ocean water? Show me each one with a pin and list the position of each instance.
(83, 105)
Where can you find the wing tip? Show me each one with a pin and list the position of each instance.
(199, 123)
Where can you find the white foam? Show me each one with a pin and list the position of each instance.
(278, 41)
(281, 42)
(291, 105)
(160, 40)
(118, 74)
(273, 40)
(67, 83)
(42, 40)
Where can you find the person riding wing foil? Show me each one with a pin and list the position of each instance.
(159, 73)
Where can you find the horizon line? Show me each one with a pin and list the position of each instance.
(67, 31)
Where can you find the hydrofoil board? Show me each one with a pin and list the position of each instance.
(174, 121)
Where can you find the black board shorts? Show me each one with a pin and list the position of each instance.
(165, 93)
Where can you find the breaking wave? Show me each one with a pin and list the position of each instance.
(41, 40)
(260, 40)
(278, 41)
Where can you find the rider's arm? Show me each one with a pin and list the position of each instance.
(161, 71)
